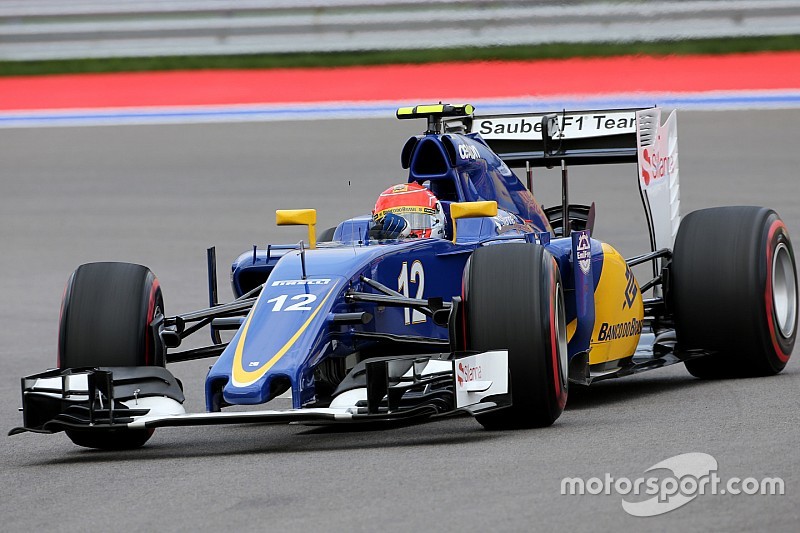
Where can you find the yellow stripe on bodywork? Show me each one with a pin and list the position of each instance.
(571, 327)
(242, 377)
(436, 108)
(611, 310)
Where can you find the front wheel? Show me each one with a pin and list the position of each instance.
(513, 300)
(734, 291)
(105, 322)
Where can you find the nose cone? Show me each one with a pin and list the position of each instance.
(283, 330)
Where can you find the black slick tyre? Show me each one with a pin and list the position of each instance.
(105, 321)
(513, 300)
(734, 291)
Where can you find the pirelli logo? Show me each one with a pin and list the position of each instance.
(285, 282)
(610, 332)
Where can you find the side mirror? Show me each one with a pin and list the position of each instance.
(299, 217)
(471, 210)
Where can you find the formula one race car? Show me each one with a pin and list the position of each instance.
(494, 313)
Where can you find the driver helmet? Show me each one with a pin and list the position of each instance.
(418, 206)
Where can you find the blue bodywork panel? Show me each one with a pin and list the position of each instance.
(289, 331)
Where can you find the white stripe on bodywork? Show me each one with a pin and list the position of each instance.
(141, 422)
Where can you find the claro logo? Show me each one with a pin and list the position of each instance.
(466, 151)
(466, 373)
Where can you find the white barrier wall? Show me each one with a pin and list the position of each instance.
(61, 29)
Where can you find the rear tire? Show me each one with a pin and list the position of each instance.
(105, 322)
(734, 291)
(513, 299)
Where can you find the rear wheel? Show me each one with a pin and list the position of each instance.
(105, 322)
(734, 291)
(513, 299)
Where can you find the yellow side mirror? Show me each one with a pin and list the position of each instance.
(299, 217)
(471, 210)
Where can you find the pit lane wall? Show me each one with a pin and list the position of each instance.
(65, 29)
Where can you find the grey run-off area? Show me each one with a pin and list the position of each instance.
(161, 195)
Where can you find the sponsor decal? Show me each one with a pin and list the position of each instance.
(610, 332)
(655, 166)
(466, 151)
(630, 289)
(466, 373)
(673, 483)
(405, 209)
(285, 282)
(584, 250)
(510, 127)
(614, 124)
(571, 126)
(506, 219)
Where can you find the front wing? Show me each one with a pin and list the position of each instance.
(150, 397)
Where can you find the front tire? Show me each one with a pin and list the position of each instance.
(513, 300)
(734, 291)
(105, 322)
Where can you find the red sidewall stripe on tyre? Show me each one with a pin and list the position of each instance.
(784, 357)
(148, 350)
(464, 281)
(61, 322)
(554, 341)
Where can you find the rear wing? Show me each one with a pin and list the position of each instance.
(576, 137)
(591, 138)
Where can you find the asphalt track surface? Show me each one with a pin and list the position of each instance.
(161, 195)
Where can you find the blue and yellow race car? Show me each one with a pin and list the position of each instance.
(458, 293)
